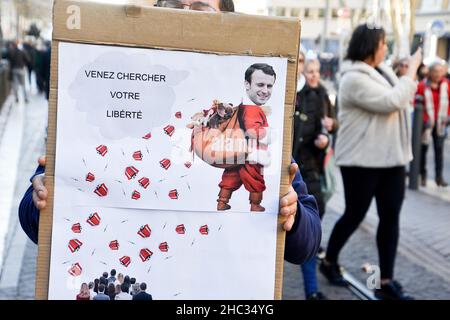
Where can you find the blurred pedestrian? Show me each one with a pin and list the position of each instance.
(372, 149)
(18, 61)
(310, 142)
(101, 293)
(135, 289)
(96, 283)
(111, 291)
(435, 92)
(401, 67)
(91, 289)
(422, 72)
(112, 278)
(142, 295)
(123, 295)
(84, 292)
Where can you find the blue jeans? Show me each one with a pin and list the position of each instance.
(309, 270)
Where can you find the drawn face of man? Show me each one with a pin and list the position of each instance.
(259, 90)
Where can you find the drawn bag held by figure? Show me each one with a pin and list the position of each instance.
(223, 147)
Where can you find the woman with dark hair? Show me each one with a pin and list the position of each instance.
(111, 292)
(372, 149)
(96, 283)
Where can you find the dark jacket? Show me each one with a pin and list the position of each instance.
(302, 242)
(311, 107)
(142, 296)
(18, 59)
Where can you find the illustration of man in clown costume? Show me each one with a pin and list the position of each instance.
(259, 82)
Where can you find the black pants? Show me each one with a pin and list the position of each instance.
(438, 144)
(387, 185)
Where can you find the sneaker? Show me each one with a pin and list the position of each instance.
(423, 180)
(441, 182)
(333, 273)
(392, 291)
(321, 253)
(316, 296)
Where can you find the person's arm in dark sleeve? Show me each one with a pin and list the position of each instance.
(303, 241)
(28, 213)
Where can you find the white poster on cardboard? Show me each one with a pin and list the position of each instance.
(134, 193)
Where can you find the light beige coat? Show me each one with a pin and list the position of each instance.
(375, 125)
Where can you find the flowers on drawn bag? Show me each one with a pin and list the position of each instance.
(213, 117)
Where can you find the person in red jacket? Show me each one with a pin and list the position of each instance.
(435, 93)
(259, 81)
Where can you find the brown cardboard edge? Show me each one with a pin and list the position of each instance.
(290, 97)
(46, 215)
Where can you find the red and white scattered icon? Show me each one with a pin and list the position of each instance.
(125, 261)
(102, 150)
(101, 190)
(164, 247)
(76, 228)
(204, 230)
(137, 155)
(94, 219)
(90, 177)
(144, 182)
(75, 270)
(131, 172)
(188, 164)
(178, 115)
(173, 194)
(165, 163)
(145, 231)
(147, 136)
(169, 130)
(114, 245)
(136, 195)
(180, 229)
(145, 254)
(75, 245)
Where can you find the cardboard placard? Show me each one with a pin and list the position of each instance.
(102, 31)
